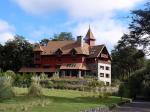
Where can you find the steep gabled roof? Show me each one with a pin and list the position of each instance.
(95, 50)
(38, 48)
(65, 46)
(89, 35)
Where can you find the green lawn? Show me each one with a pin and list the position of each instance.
(54, 101)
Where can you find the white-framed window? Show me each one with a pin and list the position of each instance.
(101, 67)
(107, 67)
(107, 75)
(101, 74)
(107, 83)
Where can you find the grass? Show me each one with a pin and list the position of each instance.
(54, 101)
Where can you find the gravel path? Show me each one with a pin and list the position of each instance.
(136, 106)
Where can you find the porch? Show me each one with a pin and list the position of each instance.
(73, 73)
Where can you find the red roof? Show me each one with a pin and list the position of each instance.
(74, 66)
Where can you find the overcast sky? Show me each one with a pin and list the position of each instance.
(37, 19)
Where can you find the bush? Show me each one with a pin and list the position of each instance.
(6, 90)
(35, 88)
(23, 80)
(124, 90)
(47, 83)
(43, 76)
(10, 73)
(55, 76)
(95, 83)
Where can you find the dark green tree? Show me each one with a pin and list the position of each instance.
(1, 58)
(63, 36)
(140, 28)
(125, 60)
(17, 53)
(44, 42)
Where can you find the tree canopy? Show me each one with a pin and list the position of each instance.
(44, 42)
(63, 36)
(16, 53)
(139, 35)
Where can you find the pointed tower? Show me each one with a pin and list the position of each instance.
(89, 38)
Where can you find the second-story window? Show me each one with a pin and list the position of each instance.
(101, 74)
(107, 68)
(73, 52)
(102, 67)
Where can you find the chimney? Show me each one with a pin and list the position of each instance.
(80, 40)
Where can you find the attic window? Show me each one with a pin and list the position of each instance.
(73, 52)
(59, 52)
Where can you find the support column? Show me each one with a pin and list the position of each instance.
(79, 74)
(70, 73)
(63, 73)
(84, 73)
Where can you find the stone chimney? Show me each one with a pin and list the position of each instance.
(80, 40)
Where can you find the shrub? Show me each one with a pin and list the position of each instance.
(46, 83)
(123, 90)
(55, 76)
(10, 73)
(6, 90)
(95, 83)
(43, 76)
(35, 88)
(23, 80)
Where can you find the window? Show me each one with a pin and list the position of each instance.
(107, 68)
(102, 67)
(107, 83)
(71, 65)
(101, 74)
(73, 52)
(46, 66)
(107, 75)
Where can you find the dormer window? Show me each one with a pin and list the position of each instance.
(58, 52)
(73, 52)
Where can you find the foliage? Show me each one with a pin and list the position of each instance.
(55, 76)
(10, 73)
(63, 36)
(44, 42)
(123, 90)
(95, 83)
(126, 60)
(140, 27)
(138, 84)
(23, 80)
(43, 76)
(15, 54)
(6, 90)
(35, 88)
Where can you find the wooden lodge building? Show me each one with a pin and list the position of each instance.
(73, 59)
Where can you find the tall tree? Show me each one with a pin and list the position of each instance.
(140, 28)
(1, 58)
(63, 36)
(16, 53)
(44, 42)
(125, 61)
